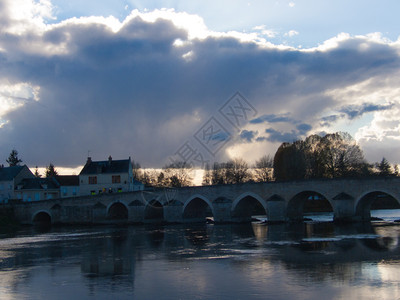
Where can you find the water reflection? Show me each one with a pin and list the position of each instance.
(252, 261)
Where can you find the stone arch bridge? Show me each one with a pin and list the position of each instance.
(350, 200)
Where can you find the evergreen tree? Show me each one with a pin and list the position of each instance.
(51, 171)
(384, 168)
(13, 159)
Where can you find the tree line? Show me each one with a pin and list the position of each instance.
(334, 155)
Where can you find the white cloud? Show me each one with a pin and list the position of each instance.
(270, 33)
(291, 33)
(13, 96)
(25, 15)
(292, 4)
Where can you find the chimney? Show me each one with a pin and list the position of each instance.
(109, 159)
(89, 160)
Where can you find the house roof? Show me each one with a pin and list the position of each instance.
(107, 166)
(9, 173)
(68, 180)
(38, 183)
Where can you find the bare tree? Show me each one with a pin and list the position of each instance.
(207, 176)
(341, 156)
(149, 177)
(178, 174)
(263, 169)
(237, 171)
(136, 170)
(218, 173)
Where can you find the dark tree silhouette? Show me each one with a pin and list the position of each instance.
(384, 168)
(36, 173)
(331, 156)
(263, 169)
(236, 171)
(51, 171)
(13, 159)
(207, 177)
(178, 174)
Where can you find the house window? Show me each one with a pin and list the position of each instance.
(65, 192)
(92, 179)
(74, 191)
(37, 197)
(116, 179)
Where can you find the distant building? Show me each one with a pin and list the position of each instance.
(10, 177)
(36, 189)
(110, 176)
(69, 185)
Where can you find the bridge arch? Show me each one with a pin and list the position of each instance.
(197, 208)
(296, 205)
(117, 211)
(154, 211)
(247, 205)
(42, 217)
(364, 203)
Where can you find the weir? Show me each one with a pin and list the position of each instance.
(350, 200)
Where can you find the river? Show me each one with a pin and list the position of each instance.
(311, 260)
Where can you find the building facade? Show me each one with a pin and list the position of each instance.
(37, 189)
(69, 185)
(109, 176)
(10, 177)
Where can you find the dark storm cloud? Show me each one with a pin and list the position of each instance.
(248, 135)
(354, 111)
(271, 118)
(278, 136)
(134, 92)
(303, 128)
(331, 119)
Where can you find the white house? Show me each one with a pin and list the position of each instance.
(10, 177)
(109, 176)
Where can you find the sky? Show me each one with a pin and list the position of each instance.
(161, 81)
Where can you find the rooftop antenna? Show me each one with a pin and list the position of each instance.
(88, 153)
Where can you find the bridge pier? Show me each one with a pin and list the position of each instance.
(222, 210)
(276, 210)
(173, 212)
(136, 212)
(343, 208)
